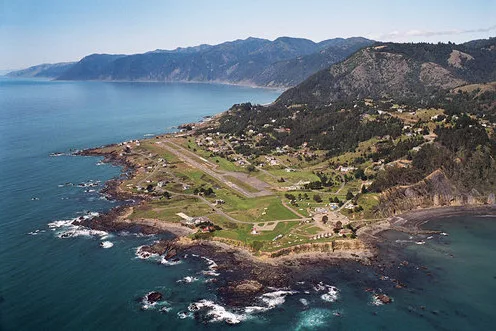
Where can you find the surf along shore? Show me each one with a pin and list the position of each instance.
(254, 270)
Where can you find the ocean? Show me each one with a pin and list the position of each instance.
(54, 276)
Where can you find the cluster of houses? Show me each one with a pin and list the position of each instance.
(136, 142)
(128, 145)
(296, 187)
(343, 233)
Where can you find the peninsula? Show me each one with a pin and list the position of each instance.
(323, 168)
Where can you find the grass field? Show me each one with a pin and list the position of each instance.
(267, 213)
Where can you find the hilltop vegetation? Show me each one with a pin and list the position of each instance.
(404, 72)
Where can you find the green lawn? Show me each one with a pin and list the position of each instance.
(166, 209)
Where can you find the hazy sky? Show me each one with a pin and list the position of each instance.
(47, 31)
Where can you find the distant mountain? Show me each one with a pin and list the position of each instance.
(283, 62)
(43, 70)
(399, 71)
(294, 71)
(89, 67)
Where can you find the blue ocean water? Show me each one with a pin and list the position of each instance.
(47, 282)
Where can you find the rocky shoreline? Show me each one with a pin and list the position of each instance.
(244, 276)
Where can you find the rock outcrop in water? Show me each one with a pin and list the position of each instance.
(166, 248)
(154, 297)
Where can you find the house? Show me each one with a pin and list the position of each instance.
(201, 220)
(207, 229)
(346, 169)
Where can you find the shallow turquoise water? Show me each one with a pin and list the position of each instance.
(51, 283)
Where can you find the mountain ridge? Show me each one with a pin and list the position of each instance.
(283, 62)
(399, 71)
(45, 70)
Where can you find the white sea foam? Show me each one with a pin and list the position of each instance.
(79, 231)
(164, 261)
(163, 305)
(184, 314)
(375, 301)
(36, 232)
(141, 254)
(255, 309)
(67, 228)
(216, 313)
(106, 244)
(332, 292)
(165, 309)
(211, 263)
(187, 279)
(212, 267)
(314, 318)
(90, 183)
(59, 224)
(331, 296)
(273, 299)
(319, 287)
(304, 301)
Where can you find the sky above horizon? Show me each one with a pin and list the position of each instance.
(49, 31)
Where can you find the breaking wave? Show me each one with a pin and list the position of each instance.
(68, 228)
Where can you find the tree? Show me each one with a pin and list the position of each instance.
(167, 195)
(251, 168)
(290, 196)
(349, 195)
(317, 198)
(358, 209)
(360, 174)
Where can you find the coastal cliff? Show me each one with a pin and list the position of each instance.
(333, 249)
(435, 190)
